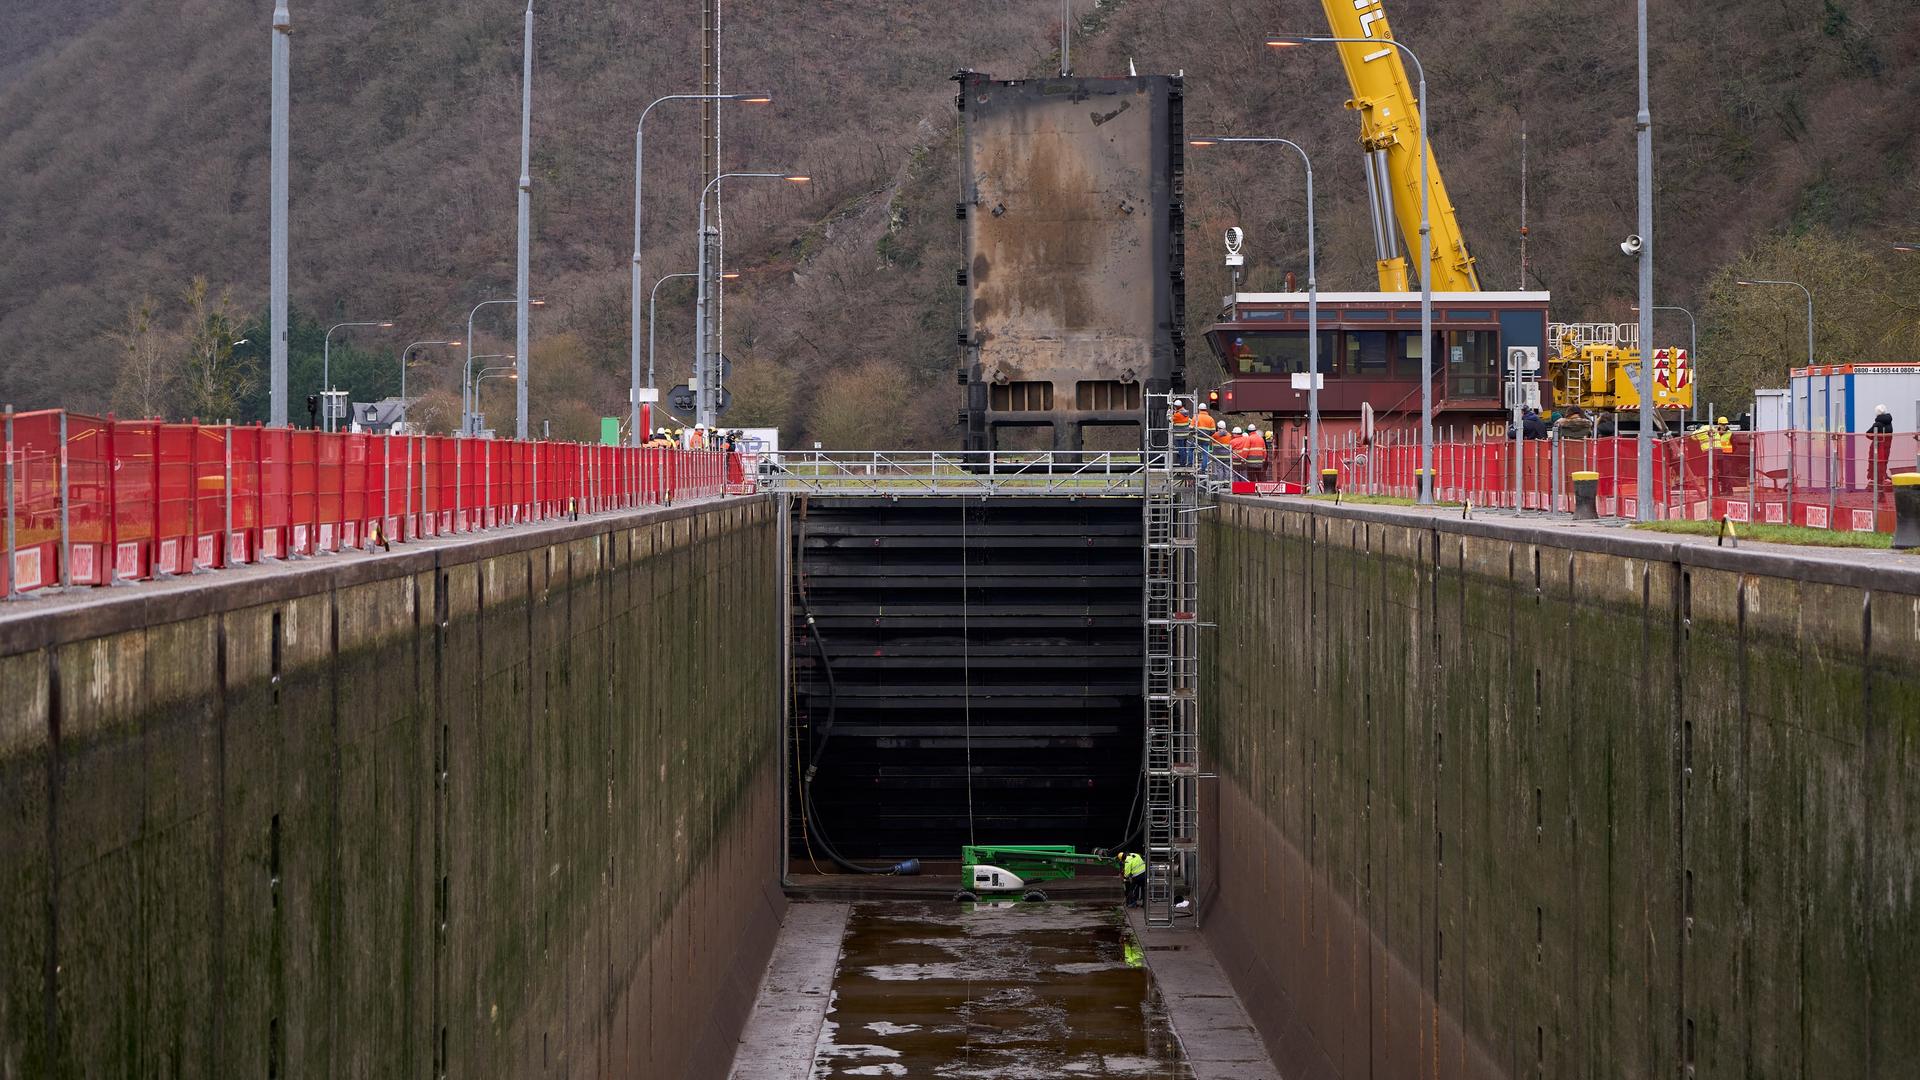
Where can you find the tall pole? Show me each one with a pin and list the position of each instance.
(526, 226)
(1426, 296)
(326, 371)
(1425, 488)
(1643, 128)
(1313, 299)
(466, 378)
(639, 174)
(706, 359)
(1066, 35)
(653, 301)
(277, 243)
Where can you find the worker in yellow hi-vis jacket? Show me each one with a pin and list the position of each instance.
(1134, 869)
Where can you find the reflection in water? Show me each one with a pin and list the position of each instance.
(1007, 991)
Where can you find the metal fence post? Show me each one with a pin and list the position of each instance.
(408, 525)
(1833, 466)
(1791, 477)
(486, 487)
(13, 564)
(66, 507)
(1753, 472)
(459, 509)
(386, 482)
(226, 541)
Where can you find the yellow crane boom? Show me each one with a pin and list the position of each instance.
(1390, 130)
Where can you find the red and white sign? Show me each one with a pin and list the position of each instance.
(1672, 369)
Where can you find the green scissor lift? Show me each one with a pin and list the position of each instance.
(1001, 870)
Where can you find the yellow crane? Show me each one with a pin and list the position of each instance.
(1390, 131)
(1590, 366)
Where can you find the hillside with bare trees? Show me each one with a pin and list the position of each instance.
(133, 177)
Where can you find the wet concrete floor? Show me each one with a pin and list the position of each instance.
(1008, 991)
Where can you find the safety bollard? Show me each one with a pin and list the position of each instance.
(1586, 487)
(1330, 481)
(1906, 511)
(1421, 489)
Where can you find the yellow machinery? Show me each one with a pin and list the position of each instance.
(1590, 365)
(1594, 366)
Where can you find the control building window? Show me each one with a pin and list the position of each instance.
(1282, 352)
(1473, 363)
(1367, 352)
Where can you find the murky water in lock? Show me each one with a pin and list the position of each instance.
(1010, 992)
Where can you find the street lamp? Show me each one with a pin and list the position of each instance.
(1802, 288)
(705, 405)
(1427, 352)
(639, 159)
(653, 301)
(1693, 347)
(326, 367)
(472, 426)
(1309, 481)
(466, 380)
(408, 351)
(1905, 246)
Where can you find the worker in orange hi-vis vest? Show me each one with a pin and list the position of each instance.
(1204, 421)
(1256, 452)
(1237, 445)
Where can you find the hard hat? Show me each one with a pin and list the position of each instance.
(1880, 409)
(1269, 434)
(1239, 431)
(1722, 420)
(1203, 406)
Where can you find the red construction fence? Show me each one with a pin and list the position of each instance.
(140, 498)
(1817, 479)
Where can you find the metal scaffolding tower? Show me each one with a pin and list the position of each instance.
(1171, 503)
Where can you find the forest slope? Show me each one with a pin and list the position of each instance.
(133, 159)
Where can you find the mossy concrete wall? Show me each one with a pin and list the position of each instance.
(500, 806)
(1506, 802)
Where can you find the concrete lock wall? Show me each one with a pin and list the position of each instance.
(1496, 801)
(506, 806)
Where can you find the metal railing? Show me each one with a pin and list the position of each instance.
(914, 473)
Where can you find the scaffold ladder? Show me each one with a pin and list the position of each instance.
(1171, 502)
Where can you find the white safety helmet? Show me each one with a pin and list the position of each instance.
(1239, 431)
(1880, 410)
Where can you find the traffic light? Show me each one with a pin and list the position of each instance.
(313, 410)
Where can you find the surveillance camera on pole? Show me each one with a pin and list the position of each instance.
(1631, 245)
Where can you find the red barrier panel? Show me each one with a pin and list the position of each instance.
(1821, 480)
(138, 498)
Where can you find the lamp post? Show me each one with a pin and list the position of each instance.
(466, 380)
(704, 398)
(1309, 481)
(653, 300)
(1802, 288)
(326, 369)
(472, 425)
(1427, 352)
(277, 216)
(408, 351)
(1643, 147)
(1693, 346)
(639, 172)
